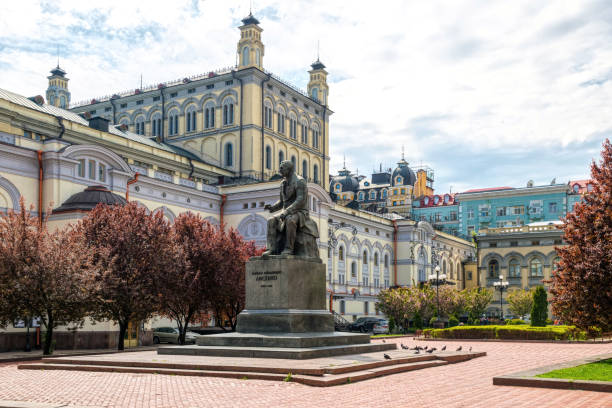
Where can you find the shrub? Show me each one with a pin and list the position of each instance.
(453, 321)
(515, 321)
(508, 332)
(539, 311)
(391, 324)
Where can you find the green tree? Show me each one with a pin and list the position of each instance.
(477, 301)
(539, 310)
(520, 302)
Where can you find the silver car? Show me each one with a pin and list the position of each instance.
(381, 327)
(171, 335)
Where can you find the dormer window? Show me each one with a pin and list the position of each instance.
(338, 187)
(91, 169)
(360, 196)
(446, 198)
(426, 201)
(373, 195)
(398, 180)
(589, 187)
(366, 184)
(576, 188)
(436, 200)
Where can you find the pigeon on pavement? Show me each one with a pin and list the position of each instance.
(459, 349)
(384, 341)
(417, 351)
(387, 357)
(470, 349)
(443, 348)
(431, 350)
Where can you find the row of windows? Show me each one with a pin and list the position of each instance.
(190, 120)
(293, 127)
(281, 158)
(514, 268)
(91, 169)
(364, 258)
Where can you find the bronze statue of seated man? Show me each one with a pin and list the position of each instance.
(292, 232)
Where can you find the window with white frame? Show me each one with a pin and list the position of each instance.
(304, 126)
(293, 126)
(268, 114)
(305, 169)
(268, 157)
(281, 120)
(92, 169)
(315, 173)
(156, 125)
(315, 136)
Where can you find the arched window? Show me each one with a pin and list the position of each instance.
(444, 266)
(341, 253)
(365, 257)
(293, 160)
(229, 155)
(576, 188)
(268, 157)
(353, 269)
(535, 267)
(51, 100)
(281, 157)
(258, 57)
(305, 169)
(173, 123)
(452, 272)
(375, 258)
(228, 111)
(315, 173)
(555, 263)
(304, 126)
(361, 196)
(268, 114)
(315, 136)
(384, 194)
(372, 195)
(156, 127)
(315, 93)
(514, 268)
(493, 269)
(63, 102)
(209, 115)
(281, 120)
(386, 260)
(190, 119)
(292, 126)
(245, 56)
(140, 125)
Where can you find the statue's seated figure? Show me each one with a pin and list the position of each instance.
(292, 232)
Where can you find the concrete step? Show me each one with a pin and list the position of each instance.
(276, 352)
(325, 380)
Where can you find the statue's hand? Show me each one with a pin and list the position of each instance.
(268, 207)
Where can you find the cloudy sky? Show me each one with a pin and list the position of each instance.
(486, 93)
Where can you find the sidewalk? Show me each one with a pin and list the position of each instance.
(11, 356)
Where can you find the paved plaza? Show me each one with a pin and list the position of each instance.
(468, 384)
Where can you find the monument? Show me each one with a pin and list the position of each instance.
(285, 313)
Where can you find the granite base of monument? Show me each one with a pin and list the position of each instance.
(285, 316)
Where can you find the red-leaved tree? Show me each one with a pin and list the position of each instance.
(133, 250)
(227, 298)
(43, 274)
(184, 289)
(581, 287)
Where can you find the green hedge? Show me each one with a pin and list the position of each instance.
(512, 332)
(514, 322)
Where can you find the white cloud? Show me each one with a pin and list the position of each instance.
(486, 78)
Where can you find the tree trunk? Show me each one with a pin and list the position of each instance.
(122, 330)
(48, 335)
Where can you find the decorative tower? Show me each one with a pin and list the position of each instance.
(250, 47)
(317, 86)
(57, 92)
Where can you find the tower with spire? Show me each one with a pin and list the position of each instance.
(250, 48)
(57, 91)
(317, 85)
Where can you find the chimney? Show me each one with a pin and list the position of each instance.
(99, 123)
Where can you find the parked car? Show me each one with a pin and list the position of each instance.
(381, 327)
(364, 324)
(171, 335)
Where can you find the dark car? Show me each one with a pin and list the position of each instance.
(364, 324)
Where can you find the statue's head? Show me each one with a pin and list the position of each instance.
(286, 168)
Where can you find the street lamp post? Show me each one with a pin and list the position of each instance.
(437, 279)
(501, 284)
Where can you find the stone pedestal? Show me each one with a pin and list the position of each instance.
(285, 316)
(285, 295)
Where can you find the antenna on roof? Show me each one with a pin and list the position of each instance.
(344, 161)
(141, 82)
(250, 7)
(318, 48)
(402, 152)
(58, 55)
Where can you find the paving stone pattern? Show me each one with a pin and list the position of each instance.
(467, 384)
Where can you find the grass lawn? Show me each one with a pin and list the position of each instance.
(599, 371)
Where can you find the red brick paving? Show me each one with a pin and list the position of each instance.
(467, 384)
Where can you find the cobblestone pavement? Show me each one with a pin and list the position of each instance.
(467, 384)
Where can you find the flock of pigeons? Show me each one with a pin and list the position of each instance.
(426, 349)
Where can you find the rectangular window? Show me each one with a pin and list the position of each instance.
(155, 98)
(470, 213)
(174, 94)
(123, 105)
(191, 90)
(230, 82)
(470, 229)
(210, 86)
(108, 109)
(453, 216)
(140, 102)
(81, 168)
(93, 112)
(535, 243)
(518, 210)
(552, 207)
(27, 133)
(365, 308)
(513, 243)
(102, 172)
(493, 245)
(92, 170)
(500, 211)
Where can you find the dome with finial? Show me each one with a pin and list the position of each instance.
(317, 65)
(250, 20)
(343, 182)
(58, 71)
(403, 175)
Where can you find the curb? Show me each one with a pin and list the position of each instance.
(64, 353)
(518, 340)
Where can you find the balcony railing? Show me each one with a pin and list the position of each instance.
(514, 281)
(516, 230)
